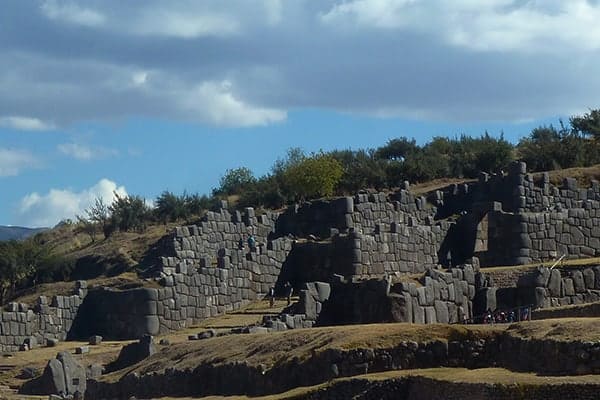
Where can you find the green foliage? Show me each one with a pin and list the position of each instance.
(129, 213)
(548, 148)
(361, 169)
(587, 124)
(398, 149)
(28, 262)
(196, 204)
(235, 181)
(265, 192)
(170, 207)
(443, 157)
(314, 176)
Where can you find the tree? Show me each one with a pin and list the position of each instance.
(129, 213)
(362, 169)
(99, 213)
(19, 261)
(314, 176)
(235, 181)
(587, 124)
(87, 226)
(398, 149)
(170, 207)
(548, 148)
(196, 204)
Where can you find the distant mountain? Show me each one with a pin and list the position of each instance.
(18, 232)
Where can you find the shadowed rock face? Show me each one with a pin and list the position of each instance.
(62, 376)
(133, 353)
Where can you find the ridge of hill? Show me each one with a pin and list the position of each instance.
(18, 232)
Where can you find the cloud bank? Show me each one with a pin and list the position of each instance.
(12, 161)
(46, 210)
(250, 63)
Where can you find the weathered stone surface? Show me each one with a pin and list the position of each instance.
(578, 281)
(63, 376)
(94, 371)
(401, 307)
(74, 373)
(95, 340)
(441, 312)
(555, 283)
(133, 353)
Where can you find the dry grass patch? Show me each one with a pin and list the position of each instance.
(583, 175)
(277, 347)
(563, 329)
(580, 262)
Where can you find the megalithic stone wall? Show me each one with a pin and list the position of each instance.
(503, 219)
(439, 297)
(22, 327)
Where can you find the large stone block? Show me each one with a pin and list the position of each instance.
(578, 281)
(430, 316)
(308, 305)
(62, 376)
(540, 297)
(418, 313)
(569, 288)
(441, 312)
(133, 353)
(589, 278)
(555, 283)
(401, 307)
(319, 290)
(485, 299)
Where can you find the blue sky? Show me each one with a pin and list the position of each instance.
(98, 96)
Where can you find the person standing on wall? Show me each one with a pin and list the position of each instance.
(271, 296)
(251, 242)
(289, 290)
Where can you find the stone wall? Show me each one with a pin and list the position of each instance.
(22, 327)
(240, 377)
(414, 387)
(502, 219)
(564, 286)
(438, 297)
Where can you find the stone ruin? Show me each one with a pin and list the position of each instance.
(417, 257)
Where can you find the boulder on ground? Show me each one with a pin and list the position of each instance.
(133, 353)
(63, 376)
(95, 340)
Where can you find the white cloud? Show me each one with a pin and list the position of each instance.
(216, 103)
(85, 153)
(139, 78)
(184, 24)
(12, 161)
(70, 12)
(273, 10)
(48, 209)
(495, 25)
(25, 123)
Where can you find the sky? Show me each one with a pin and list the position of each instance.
(105, 96)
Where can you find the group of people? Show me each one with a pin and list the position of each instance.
(251, 243)
(503, 317)
(288, 290)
